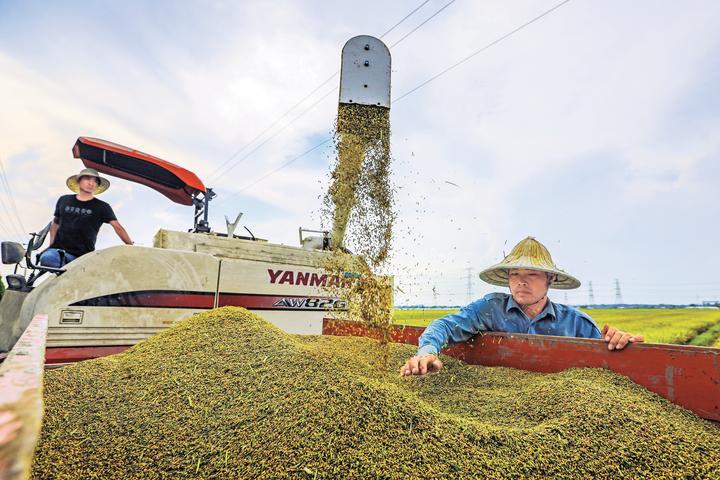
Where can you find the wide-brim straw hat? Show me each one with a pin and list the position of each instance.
(529, 254)
(103, 183)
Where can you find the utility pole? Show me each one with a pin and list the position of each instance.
(618, 293)
(469, 280)
(591, 295)
(566, 299)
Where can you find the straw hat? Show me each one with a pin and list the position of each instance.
(531, 255)
(103, 183)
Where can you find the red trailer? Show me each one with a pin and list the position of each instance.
(687, 376)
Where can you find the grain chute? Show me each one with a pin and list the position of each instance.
(365, 72)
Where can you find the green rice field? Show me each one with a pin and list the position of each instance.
(691, 326)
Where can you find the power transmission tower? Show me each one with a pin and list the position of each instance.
(591, 295)
(469, 280)
(435, 296)
(618, 293)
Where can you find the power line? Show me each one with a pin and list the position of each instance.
(264, 142)
(486, 47)
(213, 176)
(12, 227)
(215, 173)
(423, 23)
(605, 289)
(454, 294)
(10, 195)
(237, 192)
(405, 17)
(281, 166)
(665, 285)
(7, 228)
(477, 52)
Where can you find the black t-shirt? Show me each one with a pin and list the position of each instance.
(79, 223)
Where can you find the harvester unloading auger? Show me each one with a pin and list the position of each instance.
(110, 299)
(364, 99)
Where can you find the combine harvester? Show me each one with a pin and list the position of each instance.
(108, 300)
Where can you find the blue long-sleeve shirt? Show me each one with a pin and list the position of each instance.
(498, 312)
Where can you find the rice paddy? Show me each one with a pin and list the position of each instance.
(695, 326)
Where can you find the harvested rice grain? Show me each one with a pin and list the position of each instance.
(226, 394)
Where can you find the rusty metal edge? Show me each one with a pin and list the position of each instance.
(591, 341)
(21, 401)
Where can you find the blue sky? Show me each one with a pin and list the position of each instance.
(595, 129)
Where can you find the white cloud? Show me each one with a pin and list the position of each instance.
(574, 130)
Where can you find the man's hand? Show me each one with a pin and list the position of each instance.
(617, 339)
(421, 366)
(121, 232)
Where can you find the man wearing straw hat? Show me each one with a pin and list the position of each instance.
(78, 219)
(529, 271)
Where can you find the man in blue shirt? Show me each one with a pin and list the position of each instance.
(529, 271)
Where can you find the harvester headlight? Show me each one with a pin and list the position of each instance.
(15, 282)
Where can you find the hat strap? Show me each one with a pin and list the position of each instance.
(534, 303)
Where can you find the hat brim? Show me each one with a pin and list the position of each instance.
(498, 275)
(72, 184)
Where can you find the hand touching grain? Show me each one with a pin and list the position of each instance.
(421, 365)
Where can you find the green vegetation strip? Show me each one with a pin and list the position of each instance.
(674, 325)
(419, 317)
(708, 337)
(225, 394)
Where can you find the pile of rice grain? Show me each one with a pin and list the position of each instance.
(226, 395)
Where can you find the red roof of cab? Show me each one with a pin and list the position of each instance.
(176, 183)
